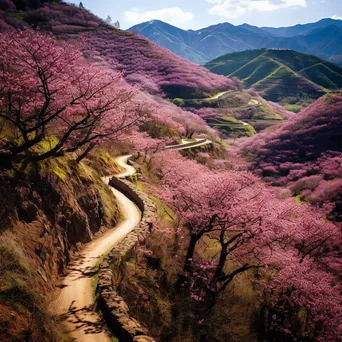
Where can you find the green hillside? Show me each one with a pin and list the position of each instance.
(280, 74)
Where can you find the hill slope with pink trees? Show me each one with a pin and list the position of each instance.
(156, 69)
(305, 154)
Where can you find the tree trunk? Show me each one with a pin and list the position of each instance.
(85, 153)
(220, 265)
(191, 250)
(182, 278)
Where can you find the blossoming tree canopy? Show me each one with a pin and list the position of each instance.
(251, 229)
(50, 95)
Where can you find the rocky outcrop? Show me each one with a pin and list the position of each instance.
(112, 305)
(47, 211)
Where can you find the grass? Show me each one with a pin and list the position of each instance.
(164, 212)
(59, 166)
(232, 126)
(94, 279)
(278, 73)
(135, 180)
(86, 172)
(189, 140)
(293, 108)
(103, 162)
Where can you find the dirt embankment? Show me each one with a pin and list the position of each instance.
(46, 213)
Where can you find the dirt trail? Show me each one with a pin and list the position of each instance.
(76, 298)
(185, 144)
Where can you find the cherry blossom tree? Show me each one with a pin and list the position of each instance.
(304, 301)
(49, 91)
(144, 144)
(251, 228)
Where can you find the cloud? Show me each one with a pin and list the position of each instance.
(175, 16)
(232, 9)
(336, 17)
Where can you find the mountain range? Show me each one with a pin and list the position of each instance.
(280, 73)
(322, 39)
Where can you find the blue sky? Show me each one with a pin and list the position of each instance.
(201, 13)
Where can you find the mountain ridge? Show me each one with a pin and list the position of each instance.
(301, 29)
(200, 46)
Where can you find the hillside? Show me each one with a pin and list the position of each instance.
(200, 46)
(236, 113)
(304, 155)
(278, 74)
(154, 68)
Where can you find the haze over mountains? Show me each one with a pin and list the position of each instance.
(200, 46)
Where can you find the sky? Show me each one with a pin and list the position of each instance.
(196, 14)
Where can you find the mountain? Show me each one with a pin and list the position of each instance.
(280, 73)
(200, 46)
(299, 30)
(170, 37)
(323, 42)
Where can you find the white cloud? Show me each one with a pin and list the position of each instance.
(232, 9)
(336, 17)
(174, 16)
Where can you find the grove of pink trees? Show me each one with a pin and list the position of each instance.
(155, 68)
(305, 154)
(48, 90)
(252, 229)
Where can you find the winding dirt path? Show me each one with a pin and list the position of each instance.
(185, 144)
(76, 299)
(217, 96)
